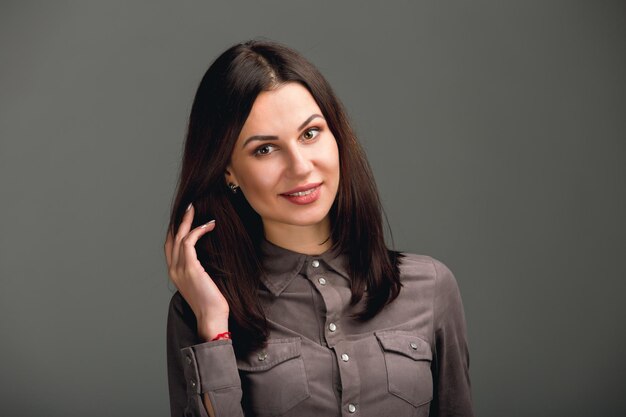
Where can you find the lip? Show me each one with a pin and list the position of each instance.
(312, 195)
(303, 188)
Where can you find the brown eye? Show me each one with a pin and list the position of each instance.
(264, 150)
(310, 133)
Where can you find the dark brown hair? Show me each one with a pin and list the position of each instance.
(230, 253)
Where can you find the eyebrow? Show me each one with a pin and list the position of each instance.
(272, 137)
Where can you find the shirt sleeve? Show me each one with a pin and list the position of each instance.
(195, 368)
(451, 381)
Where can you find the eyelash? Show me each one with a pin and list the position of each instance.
(315, 129)
(257, 151)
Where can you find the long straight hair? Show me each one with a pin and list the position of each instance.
(230, 253)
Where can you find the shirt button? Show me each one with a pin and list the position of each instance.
(262, 356)
(345, 357)
(322, 280)
(351, 408)
(315, 263)
(193, 383)
(413, 345)
(332, 327)
(189, 360)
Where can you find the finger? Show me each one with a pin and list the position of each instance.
(188, 254)
(168, 247)
(169, 244)
(182, 231)
(185, 224)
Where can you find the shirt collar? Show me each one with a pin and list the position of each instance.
(282, 265)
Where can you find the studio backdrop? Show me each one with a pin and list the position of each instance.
(495, 131)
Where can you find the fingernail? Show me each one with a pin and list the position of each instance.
(206, 224)
(188, 207)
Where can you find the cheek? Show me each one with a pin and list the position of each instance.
(332, 161)
(259, 180)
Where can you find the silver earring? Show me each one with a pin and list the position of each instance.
(233, 187)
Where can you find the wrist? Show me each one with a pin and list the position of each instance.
(221, 336)
(208, 332)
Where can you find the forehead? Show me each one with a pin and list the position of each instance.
(283, 108)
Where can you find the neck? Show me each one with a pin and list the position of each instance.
(309, 240)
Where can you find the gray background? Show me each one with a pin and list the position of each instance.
(496, 131)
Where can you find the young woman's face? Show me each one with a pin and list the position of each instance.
(286, 160)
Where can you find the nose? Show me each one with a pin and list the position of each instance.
(299, 163)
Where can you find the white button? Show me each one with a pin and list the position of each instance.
(345, 357)
(321, 280)
(262, 356)
(332, 327)
(315, 263)
(351, 408)
(413, 345)
(193, 383)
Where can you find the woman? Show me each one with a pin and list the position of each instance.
(289, 302)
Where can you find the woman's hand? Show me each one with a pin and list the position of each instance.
(192, 281)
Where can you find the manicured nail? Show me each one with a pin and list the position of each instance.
(206, 224)
(188, 207)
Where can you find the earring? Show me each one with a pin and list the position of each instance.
(233, 187)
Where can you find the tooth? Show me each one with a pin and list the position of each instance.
(301, 193)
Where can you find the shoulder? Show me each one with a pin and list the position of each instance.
(416, 264)
(179, 310)
(176, 303)
(181, 324)
(426, 268)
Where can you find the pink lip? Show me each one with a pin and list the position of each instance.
(301, 200)
(303, 188)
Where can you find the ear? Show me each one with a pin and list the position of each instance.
(229, 177)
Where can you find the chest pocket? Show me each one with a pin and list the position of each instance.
(274, 379)
(408, 359)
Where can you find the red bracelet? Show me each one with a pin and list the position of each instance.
(221, 336)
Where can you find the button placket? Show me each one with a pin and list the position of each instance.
(316, 272)
(321, 278)
(349, 376)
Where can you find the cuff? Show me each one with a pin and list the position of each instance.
(210, 366)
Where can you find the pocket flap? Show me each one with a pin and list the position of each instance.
(404, 343)
(276, 351)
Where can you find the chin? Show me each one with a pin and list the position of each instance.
(303, 219)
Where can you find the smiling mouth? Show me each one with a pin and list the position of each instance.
(304, 196)
(301, 193)
(303, 190)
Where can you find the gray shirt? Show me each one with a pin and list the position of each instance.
(411, 359)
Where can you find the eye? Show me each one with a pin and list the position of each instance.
(311, 133)
(264, 149)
